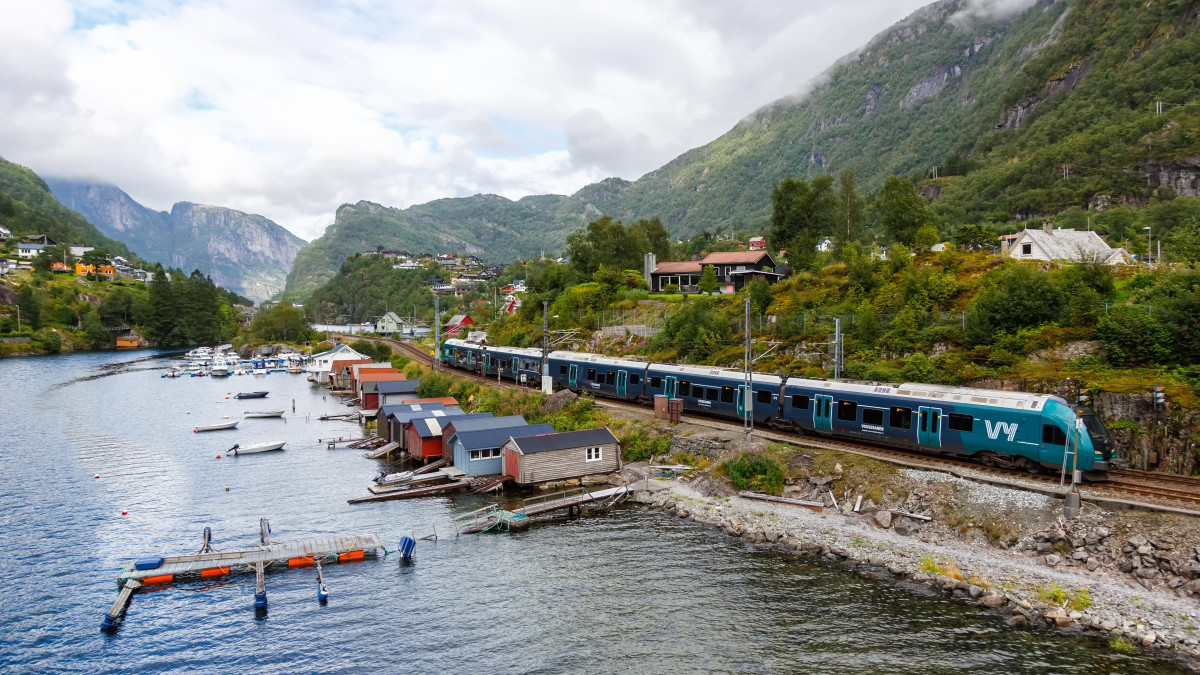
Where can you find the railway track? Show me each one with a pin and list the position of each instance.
(1183, 491)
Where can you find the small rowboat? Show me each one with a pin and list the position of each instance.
(257, 447)
(217, 427)
(251, 394)
(263, 413)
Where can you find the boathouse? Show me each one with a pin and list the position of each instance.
(390, 419)
(339, 376)
(365, 377)
(571, 454)
(387, 391)
(474, 423)
(423, 437)
(478, 452)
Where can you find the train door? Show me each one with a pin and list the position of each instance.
(516, 364)
(672, 387)
(823, 412)
(622, 380)
(574, 377)
(741, 400)
(929, 427)
(486, 364)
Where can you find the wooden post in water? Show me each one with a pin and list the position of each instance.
(260, 581)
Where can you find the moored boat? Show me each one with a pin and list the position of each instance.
(173, 372)
(216, 427)
(263, 413)
(257, 447)
(251, 394)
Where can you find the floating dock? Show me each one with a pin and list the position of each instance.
(210, 564)
(452, 486)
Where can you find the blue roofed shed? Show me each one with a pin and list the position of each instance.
(478, 452)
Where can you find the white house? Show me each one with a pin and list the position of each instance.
(1066, 245)
(321, 363)
(388, 323)
(77, 250)
(5, 233)
(29, 250)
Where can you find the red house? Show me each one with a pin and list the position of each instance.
(423, 437)
(457, 322)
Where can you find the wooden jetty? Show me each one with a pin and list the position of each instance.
(493, 518)
(210, 564)
(382, 452)
(570, 499)
(411, 481)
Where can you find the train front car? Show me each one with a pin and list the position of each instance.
(1095, 446)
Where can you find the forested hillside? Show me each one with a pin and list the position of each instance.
(28, 207)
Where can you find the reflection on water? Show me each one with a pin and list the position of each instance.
(628, 591)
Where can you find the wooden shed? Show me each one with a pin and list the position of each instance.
(571, 454)
(423, 437)
(393, 391)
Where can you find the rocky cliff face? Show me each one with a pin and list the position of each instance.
(246, 253)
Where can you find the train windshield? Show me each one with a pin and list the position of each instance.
(1096, 430)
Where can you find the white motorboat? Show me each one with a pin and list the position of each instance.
(173, 372)
(219, 370)
(260, 371)
(263, 413)
(216, 427)
(257, 447)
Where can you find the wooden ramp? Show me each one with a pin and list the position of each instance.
(452, 486)
(380, 453)
(432, 466)
(570, 498)
(487, 484)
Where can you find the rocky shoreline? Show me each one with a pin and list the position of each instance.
(1031, 584)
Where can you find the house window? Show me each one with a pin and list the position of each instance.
(656, 383)
(901, 418)
(1026, 249)
(799, 402)
(488, 453)
(959, 422)
(1052, 435)
(593, 454)
(873, 416)
(762, 396)
(847, 411)
(726, 394)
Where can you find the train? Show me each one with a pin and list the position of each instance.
(1014, 430)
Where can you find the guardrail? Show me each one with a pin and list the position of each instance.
(454, 525)
(554, 496)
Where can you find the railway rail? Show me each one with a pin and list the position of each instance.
(1183, 491)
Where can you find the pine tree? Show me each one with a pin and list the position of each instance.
(708, 280)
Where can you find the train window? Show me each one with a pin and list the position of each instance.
(847, 411)
(763, 396)
(799, 402)
(591, 374)
(873, 416)
(562, 370)
(612, 377)
(959, 422)
(712, 394)
(685, 388)
(901, 418)
(1052, 435)
(656, 383)
(726, 394)
(634, 379)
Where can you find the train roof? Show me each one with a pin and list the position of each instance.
(937, 392)
(714, 371)
(523, 351)
(598, 359)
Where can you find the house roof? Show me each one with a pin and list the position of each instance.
(692, 267)
(408, 407)
(376, 377)
(445, 413)
(736, 257)
(430, 427)
(460, 318)
(527, 445)
(1067, 243)
(391, 316)
(482, 439)
(396, 386)
(475, 423)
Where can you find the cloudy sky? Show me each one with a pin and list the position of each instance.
(290, 108)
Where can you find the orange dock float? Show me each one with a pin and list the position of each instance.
(210, 563)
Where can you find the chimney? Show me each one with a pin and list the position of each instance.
(649, 262)
(1048, 226)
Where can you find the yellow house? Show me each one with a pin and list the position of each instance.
(59, 268)
(105, 270)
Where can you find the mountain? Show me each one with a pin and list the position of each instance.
(1063, 105)
(27, 206)
(489, 226)
(245, 253)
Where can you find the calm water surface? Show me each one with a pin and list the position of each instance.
(628, 591)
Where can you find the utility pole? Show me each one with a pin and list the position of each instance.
(748, 396)
(547, 384)
(837, 348)
(437, 330)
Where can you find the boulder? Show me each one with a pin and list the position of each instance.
(883, 519)
(1053, 560)
(905, 526)
(1017, 620)
(1137, 541)
(992, 600)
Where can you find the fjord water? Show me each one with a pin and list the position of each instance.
(632, 590)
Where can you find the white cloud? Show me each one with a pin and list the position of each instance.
(289, 109)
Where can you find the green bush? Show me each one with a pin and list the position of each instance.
(640, 445)
(754, 470)
(49, 340)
